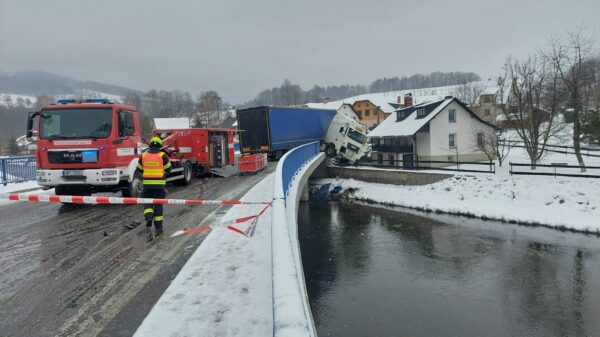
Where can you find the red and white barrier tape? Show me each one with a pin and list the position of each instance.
(230, 225)
(117, 200)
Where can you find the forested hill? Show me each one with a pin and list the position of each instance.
(37, 82)
(291, 94)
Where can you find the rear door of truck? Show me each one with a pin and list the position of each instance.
(253, 124)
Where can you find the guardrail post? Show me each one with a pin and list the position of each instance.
(4, 169)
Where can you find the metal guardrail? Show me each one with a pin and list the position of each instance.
(562, 149)
(294, 160)
(17, 169)
(291, 310)
(455, 166)
(555, 173)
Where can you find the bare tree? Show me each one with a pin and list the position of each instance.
(569, 60)
(291, 94)
(209, 108)
(7, 101)
(492, 142)
(535, 96)
(43, 100)
(133, 99)
(469, 92)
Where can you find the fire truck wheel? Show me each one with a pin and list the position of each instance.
(188, 173)
(134, 190)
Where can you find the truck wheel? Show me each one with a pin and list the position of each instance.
(134, 190)
(188, 172)
(330, 151)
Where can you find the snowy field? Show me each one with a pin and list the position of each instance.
(572, 203)
(14, 99)
(225, 288)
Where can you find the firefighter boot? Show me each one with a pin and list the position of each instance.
(149, 234)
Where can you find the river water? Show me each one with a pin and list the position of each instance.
(375, 271)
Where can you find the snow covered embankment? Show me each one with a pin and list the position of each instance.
(553, 202)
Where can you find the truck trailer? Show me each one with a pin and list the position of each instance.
(275, 130)
(94, 145)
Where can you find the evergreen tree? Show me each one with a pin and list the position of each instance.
(13, 147)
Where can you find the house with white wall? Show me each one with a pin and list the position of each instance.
(443, 130)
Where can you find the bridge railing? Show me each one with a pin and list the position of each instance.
(17, 169)
(291, 309)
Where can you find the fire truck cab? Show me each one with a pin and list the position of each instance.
(89, 146)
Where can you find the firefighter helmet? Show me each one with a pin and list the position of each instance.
(156, 142)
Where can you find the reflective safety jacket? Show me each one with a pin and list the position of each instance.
(154, 166)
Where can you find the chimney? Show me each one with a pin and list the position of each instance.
(408, 100)
(326, 100)
(448, 97)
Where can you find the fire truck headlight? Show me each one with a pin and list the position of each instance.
(109, 172)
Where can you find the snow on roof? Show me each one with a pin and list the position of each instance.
(410, 125)
(172, 123)
(329, 105)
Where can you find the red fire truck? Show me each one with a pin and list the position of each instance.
(93, 146)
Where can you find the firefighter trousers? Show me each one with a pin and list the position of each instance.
(154, 212)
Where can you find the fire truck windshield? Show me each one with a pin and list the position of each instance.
(76, 123)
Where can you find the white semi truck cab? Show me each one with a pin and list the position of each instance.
(346, 139)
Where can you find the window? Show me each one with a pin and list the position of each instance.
(480, 139)
(125, 124)
(486, 112)
(421, 113)
(76, 123)
(450, 158)
(487, 99)
(357, 136)
(391, 159)
(367, 112)
(452, 116)
(452, 140)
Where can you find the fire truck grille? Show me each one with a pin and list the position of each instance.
(72, 157)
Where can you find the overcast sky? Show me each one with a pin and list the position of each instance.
(239, 47)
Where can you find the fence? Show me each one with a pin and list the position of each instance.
(456, 166)
(563, 149)
(291, 310)
(555, 170)
(17, 169)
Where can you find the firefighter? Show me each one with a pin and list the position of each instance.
(154, 165)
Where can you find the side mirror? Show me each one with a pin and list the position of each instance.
(30, 118)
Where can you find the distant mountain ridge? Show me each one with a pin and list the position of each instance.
(39, 82)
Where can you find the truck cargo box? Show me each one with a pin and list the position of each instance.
(278, 129)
